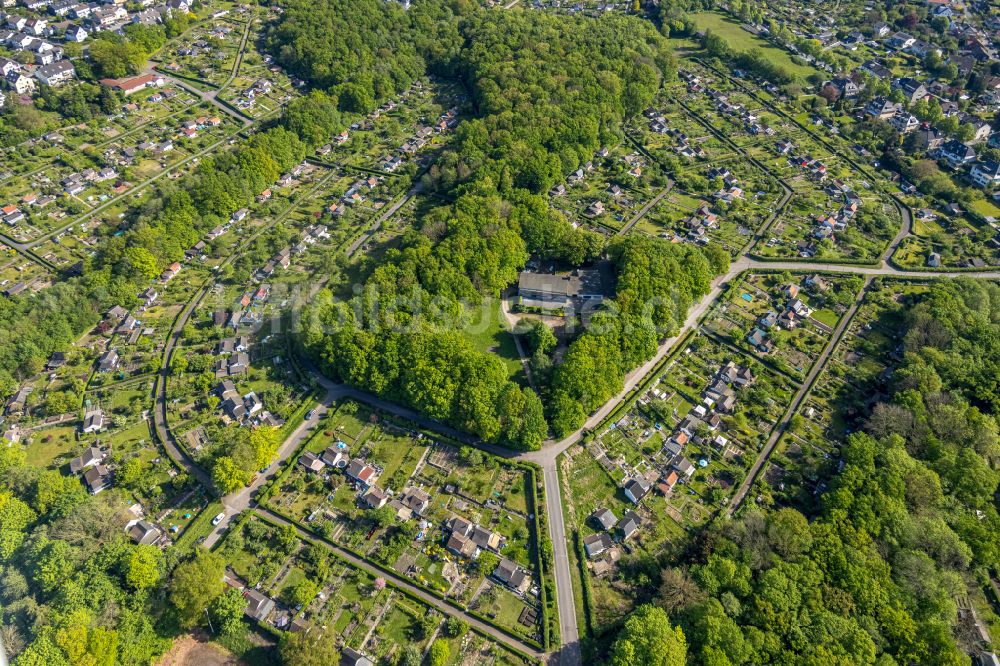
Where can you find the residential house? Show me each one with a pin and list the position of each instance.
(985, 175)
(461, 545)
(596, 544)
(926, 138)
(636, 489)
(881, 108)
(361, 473)
(512, 576)
(259, 606)
(374, 498)
(560, 291)
(667, 482)
(311, 462)
(335, 457)
(957, 154)
(904, 122)
(351, 657)
(605, 518)
(736, 374)
(97, 478)
(900, 41)
(108, 361)
(117, 312)
(981, 129)
(20, 84)
(684, 467)
(876, 69)
(629, 524)
(912, 89)
(75, 33)
(416, 500)
(143, 532)
(56, 73)
(93, 421)
(757, 338)
(847, 87)
(92, 456)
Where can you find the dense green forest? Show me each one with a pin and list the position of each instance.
(74, 590)
(575, 83)
(363, 53)
(870, 573)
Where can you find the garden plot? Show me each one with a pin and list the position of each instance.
(723, 204)
(947, 238)
(77, 183)
(670, 463)
(833, 213)
(206, 53)
(590, 486)
(399, 135)
(783, 320)
(854, 379)
(676, 138)
(608, 191)
(304, 586)
(260, 87)
(258, 369)
(21, 275)
(443, 517)
(138, 111)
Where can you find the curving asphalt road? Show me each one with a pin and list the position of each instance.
(546, 458)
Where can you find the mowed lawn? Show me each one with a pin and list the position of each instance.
(741, 40)
(487, 330)
(986, 208)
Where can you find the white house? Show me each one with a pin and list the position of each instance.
(56, 74)
(985, 174)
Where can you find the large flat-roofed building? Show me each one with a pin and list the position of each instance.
(544, 290)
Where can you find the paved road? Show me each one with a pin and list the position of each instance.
(569, 653)
(383, 216)
(209, 96)
(166, 438)
(546, 458)
(800, 396)
(404, 583)
(239, 501)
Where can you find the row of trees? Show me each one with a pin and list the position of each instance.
(160, 230)
(399, 337)
(754, 60)
(657, 282)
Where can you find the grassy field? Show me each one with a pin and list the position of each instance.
(986, 208)
(199, 527)
(487, 331)
(741, 40)
(51, 443)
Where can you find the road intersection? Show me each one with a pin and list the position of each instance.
(546, 458)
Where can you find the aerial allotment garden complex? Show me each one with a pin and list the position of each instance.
(462, 333)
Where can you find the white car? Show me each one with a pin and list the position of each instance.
(219, 518)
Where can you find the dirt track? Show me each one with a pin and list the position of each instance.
(195, 650)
